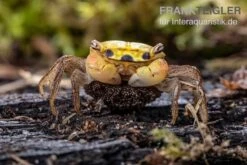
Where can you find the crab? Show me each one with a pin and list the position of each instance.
(115, 62)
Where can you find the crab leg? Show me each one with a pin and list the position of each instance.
(185, 78)
(54, 89)
(149, 75)
(173, 87)
(67, 64)
(78, 78)
(199, 100)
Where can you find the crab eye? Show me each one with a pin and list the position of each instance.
(109, 53)
(158, 48)
(95, 45)
(146, 56)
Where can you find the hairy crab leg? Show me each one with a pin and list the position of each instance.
(175, 96)
(54, 90)
(172, 86)
(193, 110)
(52, 78)
(199, 100)
(78, 78)
(185, 78)
(49, 77)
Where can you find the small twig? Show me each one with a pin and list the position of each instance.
(33, 79)
(19, 160)
(75, 134)
(28, 79)
(21, 118)
(24, 118)
(13, 86)
(66, 120)
(215, 121)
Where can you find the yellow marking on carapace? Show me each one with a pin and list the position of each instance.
(121, 48)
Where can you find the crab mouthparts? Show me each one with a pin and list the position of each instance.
(125, 77)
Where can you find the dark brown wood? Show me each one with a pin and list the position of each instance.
(105, 137)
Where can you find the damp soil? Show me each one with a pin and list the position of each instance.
(117, 132)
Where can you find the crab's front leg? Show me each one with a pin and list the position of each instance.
(75, 68)
(149, 75)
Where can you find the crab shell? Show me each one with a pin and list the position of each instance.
(113, 62)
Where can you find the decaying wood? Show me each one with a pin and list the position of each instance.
(29, 131)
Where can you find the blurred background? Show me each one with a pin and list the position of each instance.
(34, 33)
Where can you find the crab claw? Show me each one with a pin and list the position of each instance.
(101, 70)
(150, 75)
